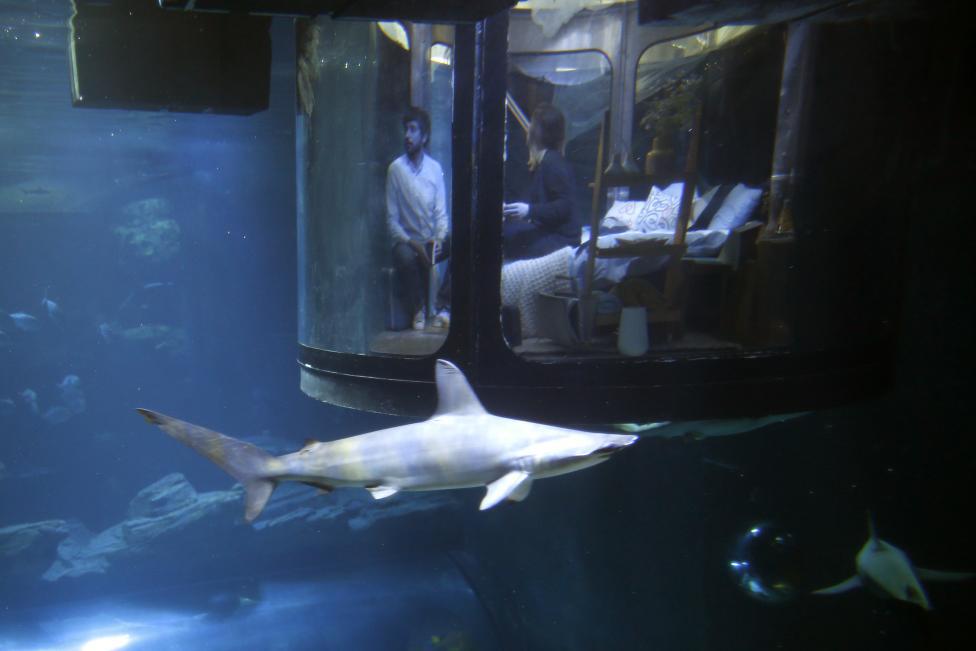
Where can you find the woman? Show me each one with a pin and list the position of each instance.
(548, 220)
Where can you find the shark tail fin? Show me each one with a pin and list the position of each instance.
(246, 463)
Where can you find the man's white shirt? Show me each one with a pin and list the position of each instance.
(415, 200)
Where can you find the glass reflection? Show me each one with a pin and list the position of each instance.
(557, 103)
(676, 228)
(374, 124)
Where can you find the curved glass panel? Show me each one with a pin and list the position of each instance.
(374, 152)
(656, 280)
(705, 122)
(557, 106)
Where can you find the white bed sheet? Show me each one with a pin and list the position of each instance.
(523, 280)
(610, 271)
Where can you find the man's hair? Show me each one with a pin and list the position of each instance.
(420, 116)
(550, 126)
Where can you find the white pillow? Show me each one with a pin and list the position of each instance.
(623, 213)
(660, 212)
(736, 208)
(675, 189)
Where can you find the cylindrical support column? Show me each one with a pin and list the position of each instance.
(794, 92)
(421, 39)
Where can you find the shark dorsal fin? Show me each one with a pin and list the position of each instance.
(454, 394)
(873, 534)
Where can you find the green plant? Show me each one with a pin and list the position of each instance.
(671, 107)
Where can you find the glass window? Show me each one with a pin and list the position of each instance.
(375, 103)
(557, 107)
(704, 128)
(677, 191)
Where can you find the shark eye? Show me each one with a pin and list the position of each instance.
(911, 594)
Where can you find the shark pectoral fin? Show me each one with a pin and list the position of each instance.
(515, 485)
(844, 586)
(379, 492)
(521, 491)
(941, 575)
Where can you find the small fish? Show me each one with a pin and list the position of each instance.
(72, 397)
(70, 381)
(24, 322)
(29, 396)
(157, 285)
(52, 309)
(106, 332)
(37, 190)
(7, 406)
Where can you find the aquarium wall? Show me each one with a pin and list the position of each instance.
(149, 260)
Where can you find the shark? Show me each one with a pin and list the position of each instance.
(461, 446)
(703, 429)
(886, 570)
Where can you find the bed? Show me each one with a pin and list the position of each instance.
(637, 239)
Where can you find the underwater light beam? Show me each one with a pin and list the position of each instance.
(107, 643)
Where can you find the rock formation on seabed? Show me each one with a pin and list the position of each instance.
(169, 517)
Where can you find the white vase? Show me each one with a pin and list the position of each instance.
(632, 337)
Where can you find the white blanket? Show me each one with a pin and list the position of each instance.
(523, 280)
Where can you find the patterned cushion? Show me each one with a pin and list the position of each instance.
(623, 213)
(660, 212)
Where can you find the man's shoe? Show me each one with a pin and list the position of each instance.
(442, 320)
(419, 320)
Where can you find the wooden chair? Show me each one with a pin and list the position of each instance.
(671, 314)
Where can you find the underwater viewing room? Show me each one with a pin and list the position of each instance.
(455, 325)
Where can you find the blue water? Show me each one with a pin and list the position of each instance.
(632, 554)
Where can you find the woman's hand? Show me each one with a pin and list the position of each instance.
(515, 210)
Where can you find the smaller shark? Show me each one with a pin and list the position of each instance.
(703, 429)
(886, 570)
(460, 446)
